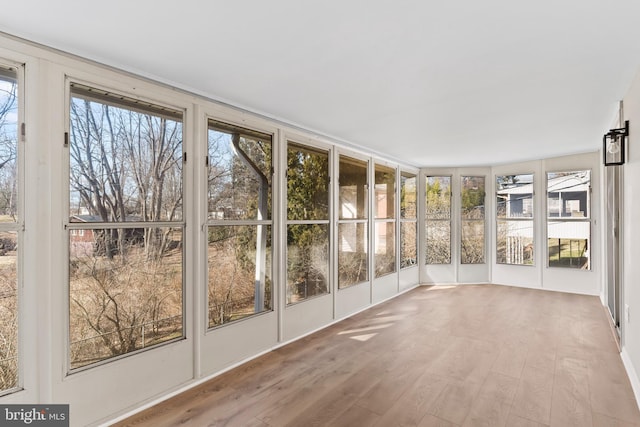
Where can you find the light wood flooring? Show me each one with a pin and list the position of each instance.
(468, 355)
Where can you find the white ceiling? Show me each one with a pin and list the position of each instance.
(430, 83)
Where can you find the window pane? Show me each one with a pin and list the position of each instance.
(8, 146)
(307, 183)
(438, 225)
(514, 243)
(568, 244)
(568, 194)
(438, 197)
(569, 227)
(239, 174)
(8, 310)
(408, 244)
(239, 267)
(514, 196)
(385, 248)
(385, 192)
(514, 238)
(8, 224)
(126, 165)
(472, 248)
(307, 261)
(408, 196)
(472, 195)
(352, 254)
(438, 242)
(125, 291)
(353, 188)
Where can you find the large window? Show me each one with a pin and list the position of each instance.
(10, 227)
(514, 219)
(125, 226)
(307, 222)
(385, 223)
(472, 221)
(239, 223)
(408, 220)
(353, 263)
(569, 219)
(438, 219)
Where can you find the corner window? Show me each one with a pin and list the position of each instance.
(408, 220)
(472, 240)
(438, 219)
(569, 219)
(125, 227)
(385, 223)
(10, 226)
(307, 222)
(239, 224)
(514, 219)
(353, 263)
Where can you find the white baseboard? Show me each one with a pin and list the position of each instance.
(632, 374)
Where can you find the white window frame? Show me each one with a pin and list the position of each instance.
(587, 219)
(522, 219)
(408, 220)
(19, 226)
(121, 99)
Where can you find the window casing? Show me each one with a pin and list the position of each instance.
(569, 219)
(385, 220)
(515, 219)
(438, 220)
(239, 223)
(307, 222)
(408, 220)
(125, 226)
(11, 228)
(353, 214)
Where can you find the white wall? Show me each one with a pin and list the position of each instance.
(631, 230)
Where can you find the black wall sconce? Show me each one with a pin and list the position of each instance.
(614, 145)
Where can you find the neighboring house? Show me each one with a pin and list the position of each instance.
(569, 195)
(516, 201)
(82, 242)
(86, 242)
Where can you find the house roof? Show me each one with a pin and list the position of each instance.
(98, 218)
(578, 181)
(86, 218)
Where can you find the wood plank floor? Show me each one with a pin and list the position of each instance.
(467, 355)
